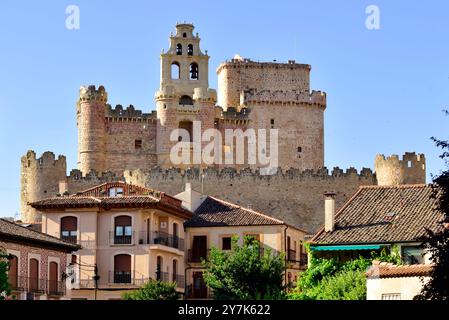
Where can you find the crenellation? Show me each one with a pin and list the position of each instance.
(129, 112)
(392, 170)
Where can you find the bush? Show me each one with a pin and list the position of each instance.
(153, 290)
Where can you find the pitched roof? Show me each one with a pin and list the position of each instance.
(214, 212)
(133, 197)
(384, 214)
(13, 231)
(389, 270)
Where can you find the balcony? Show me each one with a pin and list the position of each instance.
(167, 277)
(291, 255)
(129, 278)
(161, 238)
(38, 286)
(126, 278)
(121, 239)
(72, 239)
(196, 256)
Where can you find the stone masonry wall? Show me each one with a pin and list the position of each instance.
(293, 196)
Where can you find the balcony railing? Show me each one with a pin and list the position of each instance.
(121, 239)
(169, 277)
(129, 278)
(291, 255)
(303, 259)
(72, 239)
(162, 238)
(39, 286)
(197, 257)
(126, 277)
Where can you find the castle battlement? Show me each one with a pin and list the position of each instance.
(239, 62)
(90, 93)
(47, 159)
(285, 97)
(228, 173)
(393, 170)
(129, 112)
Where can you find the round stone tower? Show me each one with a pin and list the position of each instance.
(411, 169)
(91, 122)
(40, 178)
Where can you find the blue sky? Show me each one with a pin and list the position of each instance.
(386, 88)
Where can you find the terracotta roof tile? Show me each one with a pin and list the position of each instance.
(13, 230)
(216, 212)
(389, 270)
(390, 214)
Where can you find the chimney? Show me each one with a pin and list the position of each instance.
(329, 211)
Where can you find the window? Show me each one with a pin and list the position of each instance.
(194, 73)
(199, 249)
(138, 144)
(391, 296)
(409, 164)
(184, 35)
(412, 254)
(175, 70)
(190, 50)
(123, 230)
(299, 149)
(122, 268)
(34, 275)
(159, 264)
(188, 126)
(175, 271)
(186, 100)
(116, 192)
(13, 272)
(226, 243)
(53, 279)
(175, 236)
(179, 49)
(272, 123)
(69, 227)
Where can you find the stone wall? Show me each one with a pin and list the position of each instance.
(294, 196)
(411, 169)
(237, 75)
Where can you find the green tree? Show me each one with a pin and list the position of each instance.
(153, 290)
(243, 273)
(331, 279)
(437, 242)
(5, 288)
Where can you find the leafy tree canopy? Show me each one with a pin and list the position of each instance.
(153, 290)
(245, 272)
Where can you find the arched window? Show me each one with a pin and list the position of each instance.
(69, 227)
(179, 49)
(53, 279)
(184, 34)
(186, 100)
(175, 70)
(190, 50)
(194, 73)
(122, 268)
(159, 265)
(123, 230)
(186, 125)
(34, 275)
(13, 273)
(175, 271)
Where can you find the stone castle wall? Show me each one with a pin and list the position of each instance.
(294, 196)
(411, 169)
(238, 75)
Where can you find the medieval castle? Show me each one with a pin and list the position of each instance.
(130, 145)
